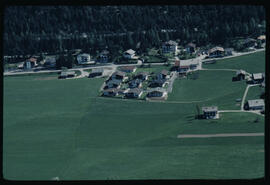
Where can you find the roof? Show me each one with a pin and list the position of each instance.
(110, 90)
(84, 55)
(261, 37)
(144, 73)
(164, 72)
(177, 63)
(240, 72)
(119, 73)
(130, 51)
(65, 73)
(249, 40)
(157, 89)
(117, 82)
(257, 76)
(160, 81)
(127, 67)
(171, 42)
(135, 91)
(97, 70)
(104, 52)
(210, 109)
(192, 45)
(217, 48)
(257, 102)
(32, 59)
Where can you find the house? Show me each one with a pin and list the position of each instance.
(261, 38)
(228, 51)
(134, 93)
(142, 76)
(257, 78)
(96, 72)
(249, 42)
(216, 52)
(110, 92)
(129, 54)
(103, 56)
(50, 62)
(210, 112)
(67, 74)
(128, 69)
(257, 104)
(84, 59)
(157, 92)
(113, 84)
(157, 83)
(119, 75)
(135, 83)
(30, 63)
(190, 47)
(240, 74)
(163, 74)
(170, 47)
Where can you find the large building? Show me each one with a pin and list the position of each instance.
(257, 104)
(216, 52)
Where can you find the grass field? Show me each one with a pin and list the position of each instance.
(254, 92)
(211, 88)
(62, 128)
(252, 63)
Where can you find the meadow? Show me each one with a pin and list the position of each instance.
(61, 128)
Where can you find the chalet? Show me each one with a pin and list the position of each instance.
(128, 69)
(240, 74)
(141, 75)
(249, 42)
(113, 84)
(257, 78)
(50, 62)
(190, 47)
(169, 47)
(216, 52)
(157, 83)
(67, 74)
(96, 72)
(129, 54)
(163, 74)
(135, 83)
(30, 63)
(103, 57)
(84, 59)
(257, 104)
(157, 92)
(134, 93)
(119, 75)
(210, 112)
(110, 92)
(261, 38)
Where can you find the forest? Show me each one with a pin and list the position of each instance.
(37, 29)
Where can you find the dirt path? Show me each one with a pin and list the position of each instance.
(219, 135)
(245, 94)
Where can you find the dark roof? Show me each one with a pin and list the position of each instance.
(160, 81)
(117, 82)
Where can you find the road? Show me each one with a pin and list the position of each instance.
(245, 94)
(219, 135)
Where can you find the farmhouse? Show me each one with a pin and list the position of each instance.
(141, 75)
(119, 75)
(210, 112)
(84, 59)
(257, 78)
(169, 47)
(157, 92)
(128, 69)
(113, 84)
(134, 93)
(257, 104)
(50, 62)
(30, 63)
(216, 52)
(129, 54)
(240, 74)
(190, 47)
(67, 74)
(96, 72)
(103, 57)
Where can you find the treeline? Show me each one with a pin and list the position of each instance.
(34, 29)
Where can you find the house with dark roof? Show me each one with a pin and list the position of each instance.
(190, 47)
(240, 74)
(157, 83)
(170, 47)
(216, 52)
(133, 93)
(50, 62)
(103, 57)
(119, 75)
(141, 75)
(135, 83)
(113, 84)
(163, 74)
(110, 92)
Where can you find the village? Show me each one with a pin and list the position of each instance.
(133, 78)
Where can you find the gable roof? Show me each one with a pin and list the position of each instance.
(130, 51)
(240, 72)
(191, 45)
(135, 91)
(257, 76)
(119, 73)
(164, 72)
(256, 102)
(117, 82)
(171, 43)
(261, 37)
(158, 89)
(210, 109)
(217, 48)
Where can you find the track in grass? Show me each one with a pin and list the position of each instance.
(219, 135)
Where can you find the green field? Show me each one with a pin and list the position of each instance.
(211, 88)
(254, 92)
(62, 128)
(252, 63)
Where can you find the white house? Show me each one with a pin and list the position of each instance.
(130, 54)
(84, 59)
